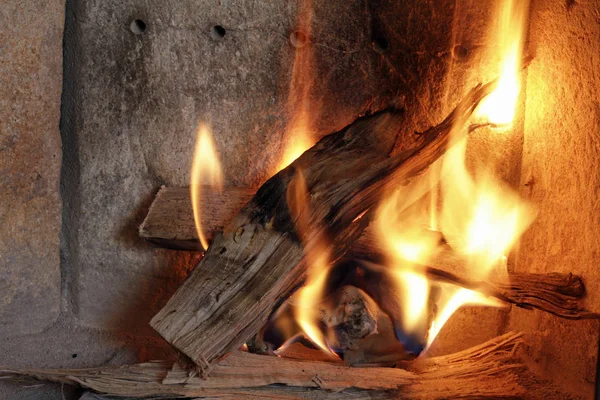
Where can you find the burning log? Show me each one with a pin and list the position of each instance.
(484, 371)
(170, 224)
(257, 261)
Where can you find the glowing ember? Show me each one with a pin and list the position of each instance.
(499, 107)
(316, 257)
(206, 170)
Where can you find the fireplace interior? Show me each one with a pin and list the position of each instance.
(281, 137)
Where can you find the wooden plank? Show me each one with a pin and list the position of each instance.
(485, 371)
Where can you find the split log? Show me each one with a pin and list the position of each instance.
(485, 371)
(170, 220)
(170, 224)
(256, 262)
(556, 293)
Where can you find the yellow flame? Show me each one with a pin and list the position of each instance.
(403, 230)
(500, 106)
(299, 130)
(317, 258)
(300, 139)
(480, 218)
(206, 170)
(453, 298)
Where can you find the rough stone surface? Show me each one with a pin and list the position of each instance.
(67, 346)
(136, 100)
(561, 175)
(30, 159)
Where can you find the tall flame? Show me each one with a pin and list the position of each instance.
(500, 106)
(317, 258)
(403, 230)
(206, 170)
(299, 130)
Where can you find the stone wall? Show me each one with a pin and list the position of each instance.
(139, 76)
(30, 159)
(561, 177)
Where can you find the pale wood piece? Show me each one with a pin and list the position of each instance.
(256, 262)
(485, 371)
(170, 220)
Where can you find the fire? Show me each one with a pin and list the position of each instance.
(480, 219)
(206, 170)
(453, 298)
(500, 106)
(317, 258)
(300, 130)
(403, 230)
(300, 139)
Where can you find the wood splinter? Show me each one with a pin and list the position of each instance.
(485, 371)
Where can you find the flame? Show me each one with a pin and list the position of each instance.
(206, 169)
(453, 298)
(403, 231)
(317, 258)
(299, 130)
(500, 106)
(479, 217)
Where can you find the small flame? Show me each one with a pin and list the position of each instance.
(206, 169)
(300, 131)
(500, 106)
(300, 139)
(453, 298)
(317, 258)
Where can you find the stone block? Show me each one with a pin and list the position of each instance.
(30, 162)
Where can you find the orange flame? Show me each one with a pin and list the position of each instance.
(453, 298)
(403, 231)
(299, 130)
(206, 169)
(500, 106)
(317, 258)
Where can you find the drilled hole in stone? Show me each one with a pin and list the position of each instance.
(137, 26)
(298, 39)
(460, 52)
(74, 355)
(217, 32)
(380, 45)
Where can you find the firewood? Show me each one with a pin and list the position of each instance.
(556, 293)
(485, 371)
(255, 262)
(170, 220)
(170, 224)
